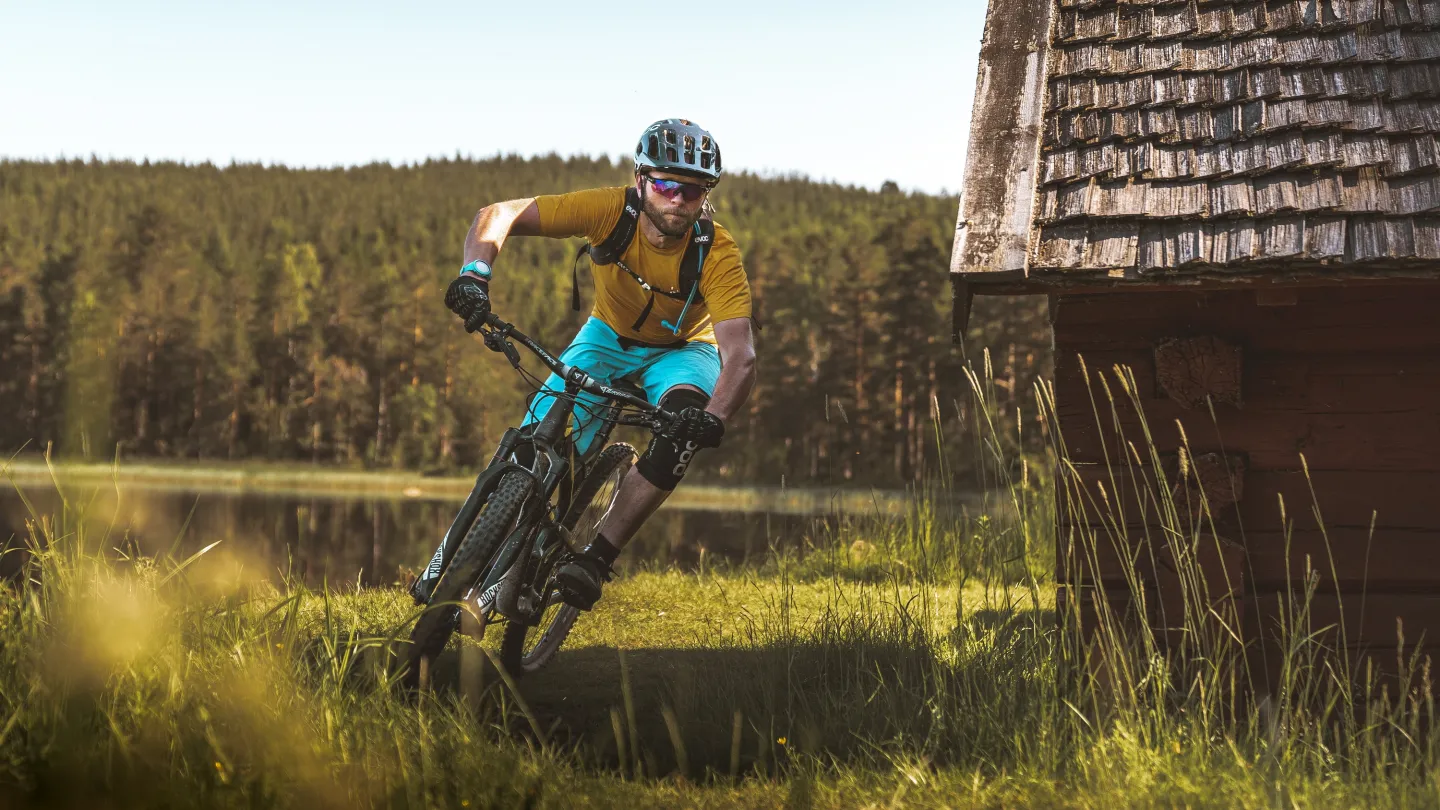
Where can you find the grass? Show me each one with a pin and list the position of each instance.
(136, 683)
(915, 663)
(128, 684)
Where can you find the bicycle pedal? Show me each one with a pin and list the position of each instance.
(574, 598)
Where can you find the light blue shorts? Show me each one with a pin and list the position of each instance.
(596, 349)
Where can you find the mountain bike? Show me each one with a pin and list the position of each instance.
(499, 557)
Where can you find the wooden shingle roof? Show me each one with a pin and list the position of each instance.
(1231, 137)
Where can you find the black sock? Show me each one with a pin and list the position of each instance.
(603, 550)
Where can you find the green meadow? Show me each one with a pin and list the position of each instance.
(894, 663)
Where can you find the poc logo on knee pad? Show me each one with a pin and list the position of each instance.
(684, 461)
(665, 461)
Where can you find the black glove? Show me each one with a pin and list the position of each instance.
(699, 426)
(469, 297)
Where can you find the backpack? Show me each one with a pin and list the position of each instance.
(618, 241)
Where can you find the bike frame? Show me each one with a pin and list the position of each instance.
(553, 461)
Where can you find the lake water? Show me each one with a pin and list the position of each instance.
(365, 540)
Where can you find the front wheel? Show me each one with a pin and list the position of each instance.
(433, 628)
(528, 647)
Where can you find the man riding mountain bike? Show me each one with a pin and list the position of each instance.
(672, 313)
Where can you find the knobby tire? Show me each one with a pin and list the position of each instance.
(490, 529)
(514, 656)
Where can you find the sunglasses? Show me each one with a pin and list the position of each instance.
(676, 190)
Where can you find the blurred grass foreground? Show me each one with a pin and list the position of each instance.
(898, 663)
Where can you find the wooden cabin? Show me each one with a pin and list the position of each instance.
(1240, 202)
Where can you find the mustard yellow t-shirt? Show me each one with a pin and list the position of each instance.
(619, 299)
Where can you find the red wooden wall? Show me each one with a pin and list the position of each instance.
(1348, 376)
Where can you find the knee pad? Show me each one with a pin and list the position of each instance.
(665, 461)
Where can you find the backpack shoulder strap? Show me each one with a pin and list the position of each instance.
(615, 245)
(702, 240)
(612, 247)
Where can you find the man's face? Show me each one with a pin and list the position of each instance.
(672, 217)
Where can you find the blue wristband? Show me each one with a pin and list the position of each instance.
(477, 268)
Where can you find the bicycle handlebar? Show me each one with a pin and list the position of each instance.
(497, 340)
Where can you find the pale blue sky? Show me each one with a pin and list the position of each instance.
(848, 91)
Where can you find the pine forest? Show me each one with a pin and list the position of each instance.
(262, 313)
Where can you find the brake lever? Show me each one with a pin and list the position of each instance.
(665, 422)
(495, 341)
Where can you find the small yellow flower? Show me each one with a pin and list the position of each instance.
(781, 740)
(464, 802)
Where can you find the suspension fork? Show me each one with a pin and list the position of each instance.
(485, 484)
(549, 439)
(501, 584)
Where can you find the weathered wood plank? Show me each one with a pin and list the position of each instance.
(1381, 631)
(1347, 377)
(1090, 554)
(1177, 300)
(1371, 620)
(1374, 624)
(1348, 319)
(1134, 497)
(1088, 605)
(1310, 382)
(1353, 560)
(1343, 560)
(1346, 499)
(997, 200)
(1273, 440)
(1402, 329)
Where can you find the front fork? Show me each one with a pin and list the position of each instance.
(545, 436)
(505, 587)
(485, 484)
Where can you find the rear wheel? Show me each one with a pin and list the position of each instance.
(494, 524)
(528, 647)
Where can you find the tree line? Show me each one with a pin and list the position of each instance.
(249, 312)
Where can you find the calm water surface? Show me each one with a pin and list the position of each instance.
(370, 541)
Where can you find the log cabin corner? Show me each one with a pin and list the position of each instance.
(1240, 202)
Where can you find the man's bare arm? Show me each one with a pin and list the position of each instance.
(737, 371)
(494, 223)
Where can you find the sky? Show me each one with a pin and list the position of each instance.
(852, 92)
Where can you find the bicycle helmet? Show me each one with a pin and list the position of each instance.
(679, 146)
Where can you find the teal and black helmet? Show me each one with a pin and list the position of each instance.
(679, 146)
